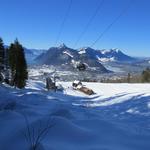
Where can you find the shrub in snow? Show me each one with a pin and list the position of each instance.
(63, 113)
(36, 133)
(10, 106)
(2, 55)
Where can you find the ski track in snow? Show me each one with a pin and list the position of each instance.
(117, 117)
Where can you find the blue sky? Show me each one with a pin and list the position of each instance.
(36, 24)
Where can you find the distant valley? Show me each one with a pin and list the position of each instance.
(104, 61)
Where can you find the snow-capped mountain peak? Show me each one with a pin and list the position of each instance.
(116, 50)
(82, 51)
(113, 50)
(115, 54)
(85, 50)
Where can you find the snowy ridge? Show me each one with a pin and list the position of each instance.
(82, 51)
(105, 59)
(111, 50)
(65, 52)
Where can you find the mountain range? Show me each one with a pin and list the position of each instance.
(68, 57)
(99, 55)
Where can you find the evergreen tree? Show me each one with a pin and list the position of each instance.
(2, 52)
(129, 78)
(146, 75)
(18, 65)
(7, 68)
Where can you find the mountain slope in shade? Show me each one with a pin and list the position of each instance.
(57, 56)
(67, 57)
(31, 54)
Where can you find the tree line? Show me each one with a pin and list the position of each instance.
(13, 65)
(144, 77)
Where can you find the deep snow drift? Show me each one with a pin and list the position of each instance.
(117, 117)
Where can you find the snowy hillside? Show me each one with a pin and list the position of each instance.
(117, 117)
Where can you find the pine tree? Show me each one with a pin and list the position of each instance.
(18, 65)
(146, 75)
(2, 51)
(7, 68)
(129, 78)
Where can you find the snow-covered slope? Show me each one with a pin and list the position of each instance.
(117, 117)
(117, 55)
(112, 55)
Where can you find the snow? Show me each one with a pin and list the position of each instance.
(82, 51)
(148, 105)
(116, 50)
(65, 52)
(114, 69)
(133, 111)
(46, 70)
(104, 59)
(38, 71)
(117, 117)
(75, 63)
(105, 51)
(76, 82)
(110, 50)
